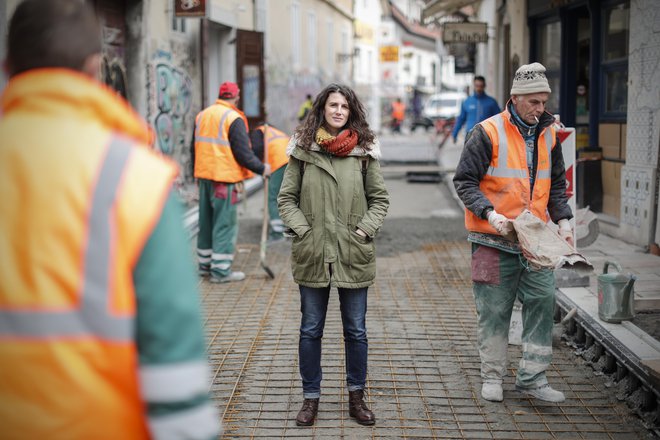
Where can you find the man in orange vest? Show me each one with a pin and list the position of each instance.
(398, 114)
(512, 162)
(100, 326)
(223, 160)
(276, 142)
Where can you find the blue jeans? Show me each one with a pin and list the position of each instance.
(314, 305)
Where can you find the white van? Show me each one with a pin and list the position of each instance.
(444, 105)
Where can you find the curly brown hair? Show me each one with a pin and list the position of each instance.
(357, 118)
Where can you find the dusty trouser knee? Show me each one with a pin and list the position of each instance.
(495, 275)
(537, 293)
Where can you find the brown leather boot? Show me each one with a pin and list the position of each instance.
(358, 409)
(308, 412)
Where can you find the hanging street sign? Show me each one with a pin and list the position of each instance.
(464, 33)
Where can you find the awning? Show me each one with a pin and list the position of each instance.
(445, 7)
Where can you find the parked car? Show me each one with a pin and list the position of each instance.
(446, 105)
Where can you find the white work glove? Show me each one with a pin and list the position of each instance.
(565, 231)
(501, 224)
(267, 170)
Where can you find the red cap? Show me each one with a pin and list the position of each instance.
(228, 90)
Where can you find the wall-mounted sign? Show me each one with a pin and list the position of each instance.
(190, 8)
(464, 33)
(389, 54)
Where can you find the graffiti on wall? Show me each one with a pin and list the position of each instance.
(173, 99)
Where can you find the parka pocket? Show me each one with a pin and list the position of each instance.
(302, 248)
(361, 249)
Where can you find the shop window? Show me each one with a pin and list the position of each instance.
(614, 71)
(549, 53)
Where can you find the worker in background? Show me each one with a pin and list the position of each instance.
(276, 142)
(397, 115)
(475, 108)
(305, 107)
(223, 160)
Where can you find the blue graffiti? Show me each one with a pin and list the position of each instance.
(174, 100)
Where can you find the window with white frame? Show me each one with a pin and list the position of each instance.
(311, 40)
(344, 50)
(260, 18)
(330, 50)
(295, 33)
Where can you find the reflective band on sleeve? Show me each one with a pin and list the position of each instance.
(92, 317)
(201, 422)
(174, 382)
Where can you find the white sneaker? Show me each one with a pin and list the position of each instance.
(492, 391)
(233, 276)
(544, 392)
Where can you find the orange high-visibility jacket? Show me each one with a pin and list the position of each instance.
(276, 141)
(398, 110)
(80, 202)
(506, 183)
(214, 159)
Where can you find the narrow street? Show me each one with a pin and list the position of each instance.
(423, 363)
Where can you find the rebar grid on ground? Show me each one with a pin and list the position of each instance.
(424, 376)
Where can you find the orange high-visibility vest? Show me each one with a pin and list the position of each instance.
(506, 183)
(398, 110)
(214, 159)
(67, 306)
(277, 142)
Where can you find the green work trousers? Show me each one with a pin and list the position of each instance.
(218, 227)
(274, 184)
(498, 278)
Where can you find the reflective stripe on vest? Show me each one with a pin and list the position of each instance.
(214, 140)
(502, 170)
(92, 317)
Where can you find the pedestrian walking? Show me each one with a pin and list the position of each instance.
(305, 107)
(334, 200)
(223, 160)
(276, 142)
(476, 108)
(398, 114)
(512, 162)
(100, 326)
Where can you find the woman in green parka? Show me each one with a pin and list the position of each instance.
(333, 199)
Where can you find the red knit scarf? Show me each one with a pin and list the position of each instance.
(340, 145)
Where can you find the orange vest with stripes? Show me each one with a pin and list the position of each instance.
(506, 183)
(214, 159)
(276, 142)
(67, 300)
(398, 110)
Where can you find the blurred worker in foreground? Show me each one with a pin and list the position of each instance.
(275, 142)
(223, 160)
(475, 108)
(100, 329)
(512, 162)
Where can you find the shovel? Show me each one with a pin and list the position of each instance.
(264, 224)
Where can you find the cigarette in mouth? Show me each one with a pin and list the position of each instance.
(537, 119)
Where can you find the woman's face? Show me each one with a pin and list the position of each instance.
(335, 112)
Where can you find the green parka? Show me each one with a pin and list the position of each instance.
(324, 205)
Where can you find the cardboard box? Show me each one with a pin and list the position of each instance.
(611, 177)
(612, 205)
(624, 140)
(609, 139)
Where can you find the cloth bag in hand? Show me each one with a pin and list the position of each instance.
(544, 248)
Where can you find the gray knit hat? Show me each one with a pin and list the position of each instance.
(530, 78)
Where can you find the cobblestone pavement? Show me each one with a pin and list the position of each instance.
(423, 364)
